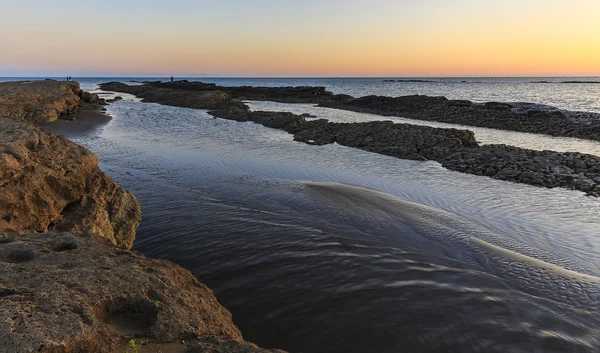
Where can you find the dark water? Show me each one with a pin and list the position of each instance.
(436, 261)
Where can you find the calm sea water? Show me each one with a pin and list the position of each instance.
(431, 261)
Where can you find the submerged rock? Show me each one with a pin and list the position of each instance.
(71, 293)
(38, 102)
(49, 183)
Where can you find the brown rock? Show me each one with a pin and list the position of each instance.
(69, 293)
(90, 97)
(38, 101)
(49, 183)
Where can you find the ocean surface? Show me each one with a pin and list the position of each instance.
(333, 249)
(560, 92)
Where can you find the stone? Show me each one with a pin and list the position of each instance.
(38, 102)
(49, 183)
(89, 97)
(199, 99)
(75, 293)
(497, 106)
(455, 149)
(460, 103)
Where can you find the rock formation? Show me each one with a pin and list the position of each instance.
(522, 117)
(49, 183)
(81, 294)
(454, 149)
(208, 99)
(38, 102)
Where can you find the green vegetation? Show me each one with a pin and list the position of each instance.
(133, 347)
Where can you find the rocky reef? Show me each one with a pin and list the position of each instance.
(523, 117)
(453, 148)
(68, 282)
(206, 99)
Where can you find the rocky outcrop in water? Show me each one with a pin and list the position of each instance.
(80, 294)
(524, 117)
(454, 149)
(521, 117)
(570, 170)
(207, 99)
(49, 183)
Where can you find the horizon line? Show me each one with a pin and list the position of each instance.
(296, 77)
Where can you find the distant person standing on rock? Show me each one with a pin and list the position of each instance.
(171, 79)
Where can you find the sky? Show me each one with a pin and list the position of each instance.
(309, 38)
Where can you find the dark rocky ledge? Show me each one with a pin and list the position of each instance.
(455, 149)
(523, 117)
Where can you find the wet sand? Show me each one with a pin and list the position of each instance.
(89, 119)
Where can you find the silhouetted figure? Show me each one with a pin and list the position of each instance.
(171, 79)
(67, 78)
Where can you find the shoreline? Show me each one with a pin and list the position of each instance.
(66, 229)
(454, 149)
(90, 118)
(521, 117)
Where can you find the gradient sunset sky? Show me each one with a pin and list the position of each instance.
(403, 38)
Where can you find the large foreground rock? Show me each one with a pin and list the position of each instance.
(80, 294)
(39, 102)
(49, 183)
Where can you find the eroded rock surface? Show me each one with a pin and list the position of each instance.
(80, 294)
(39, 102)
(48, 183)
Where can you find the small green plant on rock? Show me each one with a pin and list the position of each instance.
(133, 347)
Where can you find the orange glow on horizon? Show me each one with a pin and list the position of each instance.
(491, 41)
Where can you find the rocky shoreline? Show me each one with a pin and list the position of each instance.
(454, 149)
(68, 281)
(522, 117)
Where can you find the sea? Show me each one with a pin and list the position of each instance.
(334, 249)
